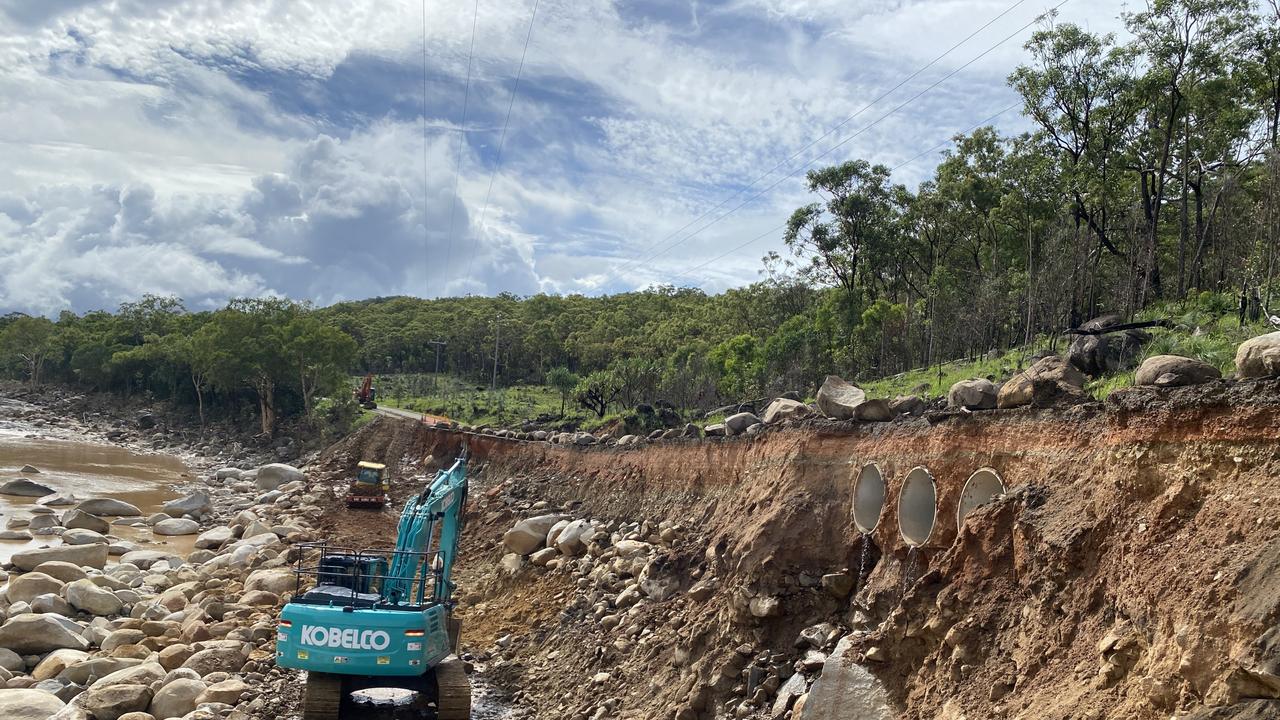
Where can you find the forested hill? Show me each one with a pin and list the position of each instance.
(1149, 184)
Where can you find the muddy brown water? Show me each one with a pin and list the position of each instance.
(88, 470)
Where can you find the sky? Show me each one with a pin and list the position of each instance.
(321, 150)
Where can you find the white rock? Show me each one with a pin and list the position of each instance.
(28, 586)
(194, 504)
(84, 595)
(31, 634)
(83, 537)
(94, 555)
(108, 507)
(177, 698)
(570, 541)
(176, 526)
(28, 704)
(214, 538)
(272, 476)
(530, 534)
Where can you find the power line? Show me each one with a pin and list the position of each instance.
(462, 137)
(895, 168)
(724, 255)
(511, 101)
(426, 186)
(833, 129)
(947, 142)
(855, 134)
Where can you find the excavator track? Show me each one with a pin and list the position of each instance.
(453, 691)
(322, 698)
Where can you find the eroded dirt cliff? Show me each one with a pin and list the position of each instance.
(1129, 570)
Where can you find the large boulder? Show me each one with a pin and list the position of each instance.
(530, 534)
(573, 539)
(23, 487)
(109, 702)
(28, 586)
(227, 692)
(28, 704)
(81, 520)
(1175, 371)
(140, 674)
(92, 555)
(214, 538)
(1104, 353)
(195, 504)
(83, 537)
(54, 663)
(64, 571)
(216, 659)
(82, 672)
(108, 507)
(272, 580)
(85, 596)
(912, 405)
(176, 526)
(274, 475)
(738, 423)
(1259, 357)
(177, 698)
(840, 400)
(846, 690)
(31, 634)
(1048, 381)
(785, 409)
(978, 394)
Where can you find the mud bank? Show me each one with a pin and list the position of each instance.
(1127, 570)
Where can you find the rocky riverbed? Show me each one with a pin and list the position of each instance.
(104, 617)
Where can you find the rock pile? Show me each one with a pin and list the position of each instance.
(154, 635)
(638, 591)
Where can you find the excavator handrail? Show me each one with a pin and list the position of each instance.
(356, 574)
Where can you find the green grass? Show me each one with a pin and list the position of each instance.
(936, 381)
(1205, 327)
(473, 403)
(364, 418)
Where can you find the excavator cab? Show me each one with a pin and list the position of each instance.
(374, 629)
(371, 487)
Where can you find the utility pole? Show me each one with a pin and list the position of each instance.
(435, 379)
(497, 331)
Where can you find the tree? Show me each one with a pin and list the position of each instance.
(837, 238)
(597, 391)
(739, 363)
(637, 379)
(564, 382)
(30, 340)
(1078, 90)
(318, 352)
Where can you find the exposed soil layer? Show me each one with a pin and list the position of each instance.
(1131, 570)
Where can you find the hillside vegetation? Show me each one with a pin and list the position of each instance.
(1149, 187)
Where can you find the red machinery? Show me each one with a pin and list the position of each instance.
(367, 394)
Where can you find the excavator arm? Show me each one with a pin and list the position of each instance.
(442, 502)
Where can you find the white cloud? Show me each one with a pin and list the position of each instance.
(219, 140)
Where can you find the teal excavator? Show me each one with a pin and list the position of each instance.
(374, 628)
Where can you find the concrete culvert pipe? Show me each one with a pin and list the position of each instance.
(917, 507)
(868, 498)
(983, 487)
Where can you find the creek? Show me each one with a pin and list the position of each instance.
(86, 470)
